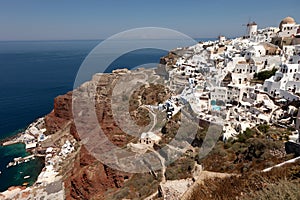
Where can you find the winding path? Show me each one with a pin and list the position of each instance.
(154, 116)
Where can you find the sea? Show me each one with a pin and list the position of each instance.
(32, 74)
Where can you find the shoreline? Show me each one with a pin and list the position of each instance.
(31, 137)
(11, 139)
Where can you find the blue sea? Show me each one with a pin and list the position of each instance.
(32, 74)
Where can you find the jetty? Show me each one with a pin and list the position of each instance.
(15, 139)
(20, 160)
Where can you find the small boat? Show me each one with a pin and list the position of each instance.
(26, 177)
(25, 184)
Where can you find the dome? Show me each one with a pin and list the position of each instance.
(287, 20)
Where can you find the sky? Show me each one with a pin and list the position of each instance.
(100, 19)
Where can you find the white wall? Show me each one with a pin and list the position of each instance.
(288, 30)
(219, 93)
(288, 96)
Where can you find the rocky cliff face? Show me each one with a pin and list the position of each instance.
(61, 114)
(89, 178)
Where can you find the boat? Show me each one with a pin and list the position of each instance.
(25, 184)
(26, 177)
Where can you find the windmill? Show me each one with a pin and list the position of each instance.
(251, 28)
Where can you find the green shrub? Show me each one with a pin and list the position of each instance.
(263, 128)
(263, 75)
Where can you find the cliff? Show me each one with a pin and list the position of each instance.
(61, 114)
(89, 178)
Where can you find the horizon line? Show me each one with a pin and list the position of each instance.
(98, 39)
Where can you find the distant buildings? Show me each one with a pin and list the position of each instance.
(251, 29)
(217, 77)
(288, 30)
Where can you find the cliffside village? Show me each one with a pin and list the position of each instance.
(225, 84)
(222, 83)
(218, 78)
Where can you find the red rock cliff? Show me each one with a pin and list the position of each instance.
(89, 178)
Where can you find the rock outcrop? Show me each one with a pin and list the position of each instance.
(89, 178)
(60, 115)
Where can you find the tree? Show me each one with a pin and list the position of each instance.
(263, 75)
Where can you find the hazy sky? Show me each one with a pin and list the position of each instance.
(99, 19)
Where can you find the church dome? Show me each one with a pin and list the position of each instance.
(287, 20)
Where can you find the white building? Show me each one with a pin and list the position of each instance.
(288, 27)
(289, 50)
(255, 51)
(219, 94)
(295, 59)
(149, 138)
(243, 72)
(222, 39)
(285, 83)
(233, 93)
(265, 35)
(251, 29)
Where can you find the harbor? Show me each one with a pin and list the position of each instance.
(20, 160)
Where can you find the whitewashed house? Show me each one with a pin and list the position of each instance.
(288, 27)
(243, 72)
(255, 51)
(149, 138)
(219, 94)
(285, 83)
